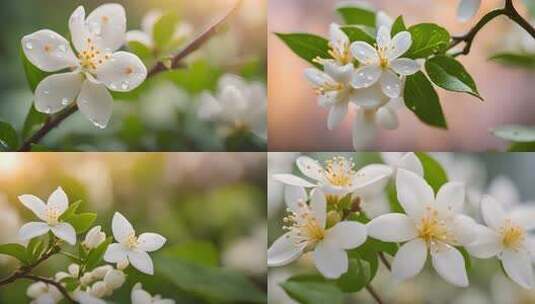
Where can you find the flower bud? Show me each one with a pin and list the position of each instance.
(74, 270)
(101, 271)
(122, 265)
(61, 275)
(100, 289)
(333, 217)
(87, 278)
(114, 279)
(36, 289)
(94, 238)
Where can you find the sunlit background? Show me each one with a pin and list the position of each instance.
(211, 201)
(297, 123)
(161, 115)
(505, 176)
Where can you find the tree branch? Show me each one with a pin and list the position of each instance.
(385, 261)
(159, 67)
(58, 285)
(374, 294)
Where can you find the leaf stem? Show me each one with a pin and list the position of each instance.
(374, 294)
(385, 261)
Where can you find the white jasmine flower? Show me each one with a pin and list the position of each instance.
(383, 63)
(431, 225)
(132, 247)
(94, 70)
(94, 238)
(339, 45)
(49, 213)
(84, 297)
(468, 9)
(236, 105)
(114, 279)
(507, 238)
(307, 231)
(399, 160)
(140, 296)
(43, 293)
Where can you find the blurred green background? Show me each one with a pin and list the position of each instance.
(210, 206)
(161, 114)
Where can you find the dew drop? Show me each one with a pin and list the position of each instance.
(46, 92)
(48, 110)
(125, 86)
(113, 86)
(65, 101)
(98, 124)
(29, 45)
(62, 48)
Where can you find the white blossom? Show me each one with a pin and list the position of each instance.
(140, 296)
(94, 238)
(43, 293)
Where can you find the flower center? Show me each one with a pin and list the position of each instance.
(131, 241)
(433, 227)
(52, 215)
(92, 57)
(329, 87)
(305, 229)
(512, 235)
(339, 171)
(384, 62)
(340, 52)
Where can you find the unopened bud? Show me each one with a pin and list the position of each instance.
(100, 289)
(94, 238)
(114, 279)
(74, 270)
(122, 265)
(101, 271)
(87, 278)
(36, 289)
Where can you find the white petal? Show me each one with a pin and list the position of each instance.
(95, 103)
(318, 204)
(487, 243)
(139, 36)
(412, 163)
(35, 204)
(57, 91)
(467, 9)
(310, 167)
(293, 180)
(371, 179)
(525, 216)
(140, 296)
(409, 260)
(401, 43)
(150, 241)
(387, 118)
(492, 212)
(141, 261)
(383, 37)
(366, 76)
(337, 37)
(405, 66)
(121, 227)
(393, 227)
(283, 251)
(108, 22)
(48, 51)
(149, 20)
(390, 84)
(65, 232)
(449, 264)
(123, 72)
(364, 53)
(59, 200)
(317, 77)
(465, 229)
(331, 262)
(346, 235)
(337, 113)
(364, 130)
(341, 74)
(79, 30)
(451, 196)
(383, 19)
(517, 265)
(115, 253)
(33, 229)
(293, 195)
(371, 97)
(413, 192)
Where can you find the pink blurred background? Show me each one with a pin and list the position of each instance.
(297, 123)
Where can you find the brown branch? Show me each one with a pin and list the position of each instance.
(159, 67)
(374, 294)
(385, 261)
(58, 285)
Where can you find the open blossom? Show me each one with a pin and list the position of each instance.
(50, 214)
(132, 247)
(507, 238)
(339, 45)
(467, 9)
(383, 63)
(95, 69)
(140, 296)
(43, 293)
(307, 231)
(400, 160)
(430, 225)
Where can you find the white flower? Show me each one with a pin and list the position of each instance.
(49, 213)
(383, 63)
(96, 68)
(132, 247)
(237, 105)
(307, 231)
(140, 296)
(114, 279)
(430, 225)
(507, 238)
(84, 297)
(399, 160)
(43, 293)
(94, 238)
(467, 9)
(100, 289)
(339, 45)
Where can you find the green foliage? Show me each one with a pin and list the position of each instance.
(139, 49)
(524, 61)
(35, 249)
(434, 173)
(313, 290)
(244, 140)
(427, 39)
(355, 33)
(395, 206)
(9, 139)
(522, 147)
(307, 46)
(422, 99)
(357, 16)
(450, 74)
(71, 210)
(467, 258)
(164, 30)
(196, 78)
(34, 120)
(198, 252)
(33, 74)
(398, 26)
(82, 221)
(95, 255)
(516, 133)
(15, 250)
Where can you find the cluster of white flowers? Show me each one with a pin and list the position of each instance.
(375, 86)
(432, 224)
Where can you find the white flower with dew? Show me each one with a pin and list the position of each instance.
(307, 231)
(467, 9)
(95, 69)
(132, 247)
(140, 296)
(506, 236)
(50, 214)
(382, 63)
(400, 160)
(94, 238)
(43, 293)
(431, 225)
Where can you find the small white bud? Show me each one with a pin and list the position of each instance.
(36, 289)
(122, 265)
(114, 278)
(94, 238)
(61, 275)
(87, 278)
(101, 271)
(100, 289)
(74, 270)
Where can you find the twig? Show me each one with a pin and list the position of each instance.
(24, 270)
(385, 261)
(374, 294)
(159, 67)
(58, 285)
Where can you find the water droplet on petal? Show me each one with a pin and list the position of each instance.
(65, 101)
(48, 110)
(125, 86)
(29, 45)
(98, 124)
(62, 48)
(46, 92)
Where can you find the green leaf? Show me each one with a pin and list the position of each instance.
(522, 147)
(313, 292)
(398, 26)
(216, 285)
(524, 61)
(141, 50)
(95, 255)
(466, 257)
(164, 29)
(307, 46)
(196, 78)
(355, 33)
(395, 206)
(40, 148)
(450, 74)
(35, 248)
(359, 274)
(34, 121)
(70, 283)
(15, 250)
(422, 99)
(199, 252)
(9, 140)
(33, 74)
(82, 222)
(70, 211)
(357, 15)
(434, 173)
(427, 39)
(515, 133)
